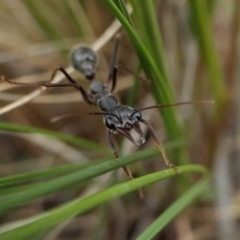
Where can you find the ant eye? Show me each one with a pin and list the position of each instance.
(110, 123)
(138, 116)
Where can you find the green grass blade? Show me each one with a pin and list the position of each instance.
(44, 188)
(177, 207)
(34, 225)
(160, 87)
(44, 174)
(121, 5)
(133, 91)
(67, 138)
(201, 22)
(146, 19)
(63, 182)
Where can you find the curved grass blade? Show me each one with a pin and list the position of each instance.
(34, 225)
(44, 174)
(44, 188)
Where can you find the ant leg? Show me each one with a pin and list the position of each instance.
(55, 72)
(133, 73)
(76, 85)
(72, 84)
(113, 68)
(114, 78)
(126, 169)
(4, 79)
(160, 147)
(110, 140)
(129, 174)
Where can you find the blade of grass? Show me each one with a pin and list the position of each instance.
(201, 19)
(67, 138)
(44, 174)
(149, 30)
(122, 6)
(133, 91)
(145, 15)
(44, 188)
(147, 62)
(160, 86)
(176, 208)
(32, 226)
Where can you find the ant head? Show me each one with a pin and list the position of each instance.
(84, 59)
(122, 120)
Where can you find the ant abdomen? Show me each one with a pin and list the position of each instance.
(84, 60)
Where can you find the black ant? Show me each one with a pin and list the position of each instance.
(119, 119)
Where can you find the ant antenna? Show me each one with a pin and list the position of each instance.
(173, 104)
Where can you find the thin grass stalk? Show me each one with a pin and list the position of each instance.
(148, 28)
(203, 30)
(122, 6)
(202, 24)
